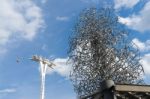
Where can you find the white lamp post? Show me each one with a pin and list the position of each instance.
(44, 63)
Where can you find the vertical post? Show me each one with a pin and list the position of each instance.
(44, 63)
(107, 89)
(43, 68)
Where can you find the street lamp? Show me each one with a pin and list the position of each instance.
(44, 63)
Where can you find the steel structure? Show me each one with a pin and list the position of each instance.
(44, 63)
(100, 50)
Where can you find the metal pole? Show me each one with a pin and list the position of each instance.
(44, 63)
(43, 68)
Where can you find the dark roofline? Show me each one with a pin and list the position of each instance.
(132, 88)
(125, 88)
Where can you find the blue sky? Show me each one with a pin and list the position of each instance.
(43, 27)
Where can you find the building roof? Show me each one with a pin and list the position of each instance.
(120, 91)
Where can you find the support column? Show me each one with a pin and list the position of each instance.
(107, 89)
(43, 68)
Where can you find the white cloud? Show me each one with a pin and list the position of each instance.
(62, 18)
(90, 1)
(125, 3)
(2, 50)
(44, 47)
(145, 61)
(11, 90)
(142, 46)
(62, 67)
(19, 19)
(43, 1)
(140, 21)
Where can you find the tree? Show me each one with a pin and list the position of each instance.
(100, 50)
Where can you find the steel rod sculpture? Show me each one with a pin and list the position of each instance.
(44, 63)
(100, 50)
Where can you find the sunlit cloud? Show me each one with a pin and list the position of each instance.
(62, 67)
(19, 20)
(62, 18)
(125, 3)
(8, 90)
(140, 21)
(145, 61)
(142, 46)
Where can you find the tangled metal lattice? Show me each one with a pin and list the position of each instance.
(100, 50)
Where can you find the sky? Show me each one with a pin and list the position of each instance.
(43, 27)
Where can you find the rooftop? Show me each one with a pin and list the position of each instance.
(110, 90)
